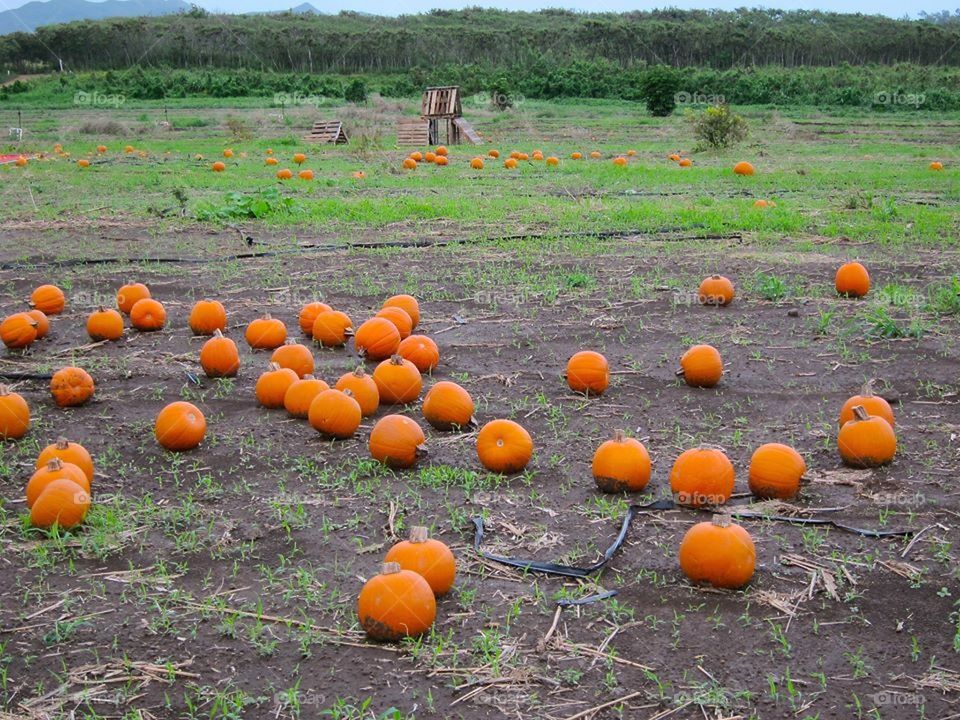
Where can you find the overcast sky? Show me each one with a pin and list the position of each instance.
(893, 8)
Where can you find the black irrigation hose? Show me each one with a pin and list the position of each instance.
(359, 244)
(664, 504)
(25, 376)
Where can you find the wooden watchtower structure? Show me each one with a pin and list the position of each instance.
(441, 120)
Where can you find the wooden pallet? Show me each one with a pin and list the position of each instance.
(466, 129)
(413, 131)
(327, 131)
(441, 102)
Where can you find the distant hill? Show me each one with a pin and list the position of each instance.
(34, 14)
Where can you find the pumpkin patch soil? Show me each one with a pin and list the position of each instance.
(222, 582)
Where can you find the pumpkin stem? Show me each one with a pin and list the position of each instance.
(348, 331)
(62, 443)
(721, 520)
(860, 413)
(348, 392)
(418, 534)
(619, 436)
(267, 316)
(473, 422)
(359, 372)
(396, 360)
(217, 333)
(867, 389)
(714, 277)
(101, 309)
(273, 367)
(679, 372)
(55, 464)
(308, 376)
(423, 451)
(4, 390)
(390, 568)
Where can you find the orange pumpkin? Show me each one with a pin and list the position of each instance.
(421, 351)
(363, 388)
(510, 164)
(18, 330)
(429, 558)
(43, 323)
(67, 452)
(71, 386)
(674, 156)
(101, 149)
(576, 156)
(49, 299)
(702, 476)
(266, 333)
(62, 503)
(298, 397)
(377, 339)
(219, 356)
(272, 386)
(447, 406)
(21, 161)
(552, 161)
(716, 290)
(400, 319)
(56, 469)
(148, 315)
(743, 168)
(764, 204)
(407, 303)
(776, 471)
(873, 404)
(596, 155)
(299, 158)
(305, 174)
(852, 280)
(621, 464)
(430, 157)
(295, 356)
(588, 372)
(14, 415)
(284, 174)
(218, 166)
(685, 162)
(631, 153)
(335, 413)
(398, 381)
(701, 366)
(396, 604)
(719, 552)
(936, 165)
(396, 441)
(104, 324)
(129, 295)
(620, 161)
(504, 446)
(272, 161)
(866, 441)
(228, 153)
(409, 164)
(207, 316)
(441, 161)
(493, 153)
(332, 328)
(441, 151)
(308, 316)
(416, 156)
(477, 163)
(180, 426)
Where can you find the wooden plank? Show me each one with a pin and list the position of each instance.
(468, 130)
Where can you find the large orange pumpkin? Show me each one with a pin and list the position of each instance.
(331, 328)
(866, 441)
(272, 386)
(180, 426)
(377, 339)
(716, 290)
(266, 333)
(299, 395)
(56, 469)
(105, 324)
(396, 604)
(43, 323)
(148, 315)
(396, 441)
(720, 553)
(701, 366)
(398, 381)
(447, 406)
(62, 503)
(71, 386)
(621, 464)
(363, 388)
(219, 356)
(308, 315)
(295, 356)
(14, 415)
(421, 351)
(49, 299)
(852, 280)
(67, 452)
(129, 294)
(702, 476)
(776, 471)
(588, 372)
(18, 330)
(743, 168)
(504, 446)
(207, 316)
(429, 558)
(335, 413)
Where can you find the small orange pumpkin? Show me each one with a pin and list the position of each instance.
(148, 315)
(129, 294)
(936, 165)
(49, 299)
(14, 415)
(219, 356)
(398, 381)
(67, 452)
(493, 153)
(866, 441)
(272, 386)
(207, 316)
(62, 503)
(299, 158)
(477, 163)
(701, 366)
(441, 151)
(873, 404)
(719, 552)
(429, 558)
(299, 395)
(266, 333)
(416, 156)
(218, 166)
(295, 356)
(332, 328)
(852, 280)
(104, 324)
(588, 372)
(620, 161)
(396, 604)
(675, 157)
(621, 464)
(396, 441)
(430, 157)
(306, 174)
(510, 163)
(553, 161)
(71, 386)
(408, 303)
(56, 469)
(271, 161)
(335, 413)
(18, 330)
(421, 351)
(776, 471)
(377, 339)
(43, 323)
(441, 161)
(504, 446)
(363, 388)
(685, 163)
(596, 155)
(180, 426)
(702, 476)
(716, 290)
(409, 164)
(284, 174)
(576, 156)
(743, 168)
(447, 406)
(308, 315)
(400, 319)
